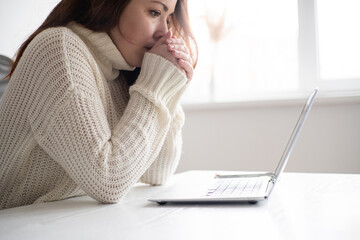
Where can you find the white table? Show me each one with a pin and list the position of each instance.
(302, 206)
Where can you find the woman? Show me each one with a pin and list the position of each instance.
(80, 117)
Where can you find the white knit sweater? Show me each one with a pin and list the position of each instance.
(70, 125)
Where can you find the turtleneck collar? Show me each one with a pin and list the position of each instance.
(108, 56)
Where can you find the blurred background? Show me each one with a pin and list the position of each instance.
(258, 62)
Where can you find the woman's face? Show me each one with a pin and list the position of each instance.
(141, 24)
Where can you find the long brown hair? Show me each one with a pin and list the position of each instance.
(102, 15)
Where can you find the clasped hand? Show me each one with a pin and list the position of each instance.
(175, 51)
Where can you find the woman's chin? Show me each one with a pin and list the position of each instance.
(135, 62)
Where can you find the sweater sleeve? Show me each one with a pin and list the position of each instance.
(168, 159)
(161, 93)
(69, 122)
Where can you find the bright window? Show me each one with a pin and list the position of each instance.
(339, 38)
(263, 49)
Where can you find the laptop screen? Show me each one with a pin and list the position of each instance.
(295, 134)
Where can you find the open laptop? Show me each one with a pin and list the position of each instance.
(241, 188)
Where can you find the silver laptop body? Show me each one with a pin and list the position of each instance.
(241, 188)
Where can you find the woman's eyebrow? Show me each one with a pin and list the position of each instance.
(164, 5)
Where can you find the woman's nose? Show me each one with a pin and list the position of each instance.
(161, 30)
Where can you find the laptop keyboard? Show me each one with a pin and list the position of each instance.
(235, 187)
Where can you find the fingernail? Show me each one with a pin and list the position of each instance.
(169, 40)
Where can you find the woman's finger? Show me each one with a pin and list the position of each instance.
(174, 40)
(187, 67)
(180, 48)
(181, 55)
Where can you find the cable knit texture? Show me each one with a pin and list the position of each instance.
(70, 125)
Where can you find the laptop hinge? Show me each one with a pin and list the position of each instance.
(270, 185)
(272, 179)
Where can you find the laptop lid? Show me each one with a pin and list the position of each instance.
(291, 143)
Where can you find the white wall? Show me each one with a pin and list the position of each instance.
(18, 19)
(252, 136)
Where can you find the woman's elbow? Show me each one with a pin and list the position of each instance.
(109, 197)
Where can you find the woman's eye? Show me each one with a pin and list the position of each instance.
(155, 13)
